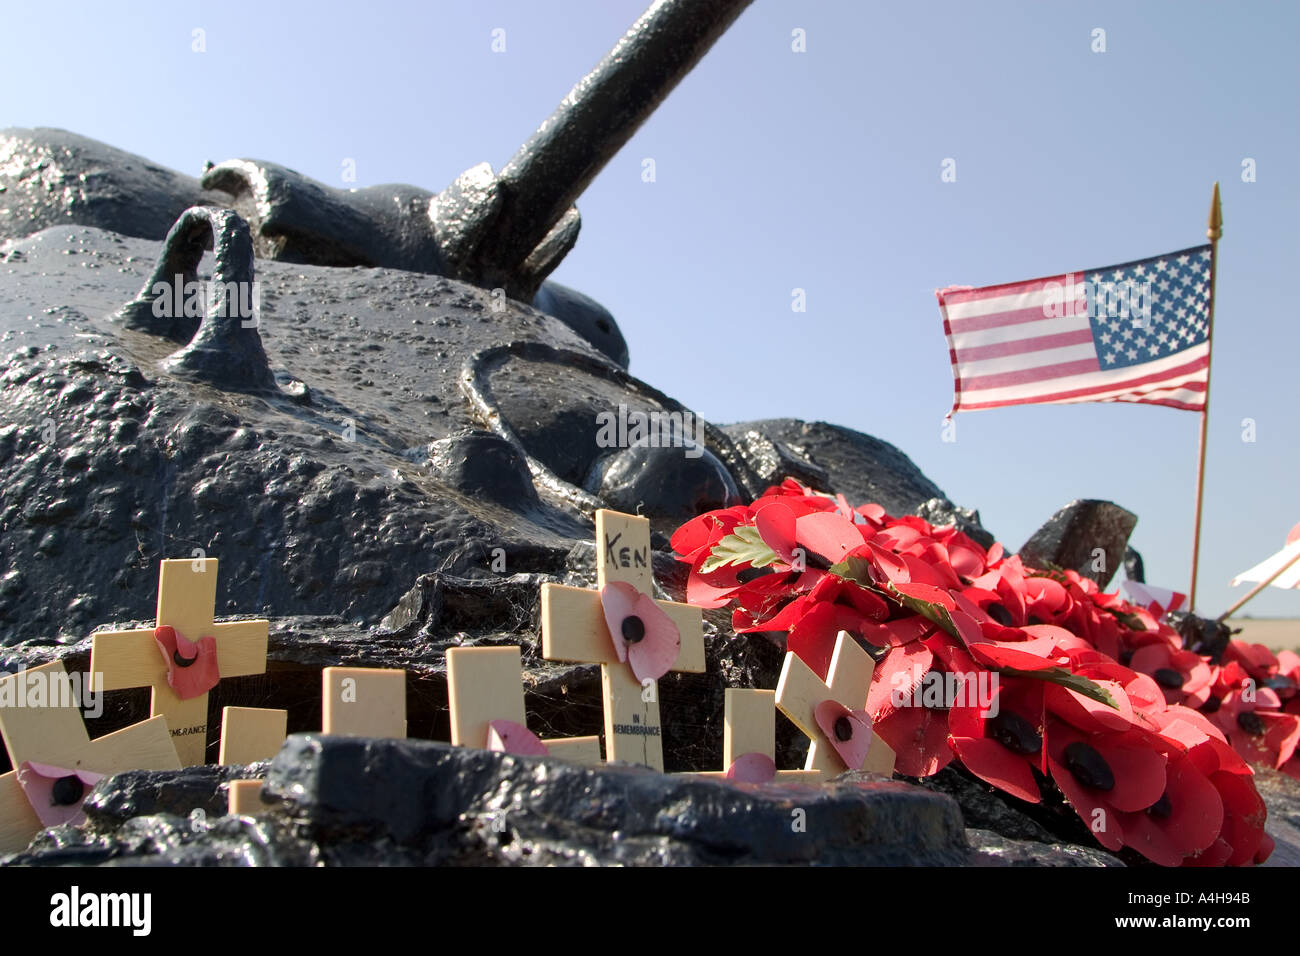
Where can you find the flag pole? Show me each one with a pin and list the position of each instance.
(1213, 233)
(1257, 588)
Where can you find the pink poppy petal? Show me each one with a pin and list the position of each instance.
(617, 599)
(654, 655)
(506, 736)
(848, 731)
(752, 768)
(54, 800)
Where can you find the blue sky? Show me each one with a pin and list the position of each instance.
(819, 170)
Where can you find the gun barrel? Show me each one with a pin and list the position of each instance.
(600, 114)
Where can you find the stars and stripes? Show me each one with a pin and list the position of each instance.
(1137, 332)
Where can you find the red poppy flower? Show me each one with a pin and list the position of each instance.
(643, 634)
(917, 734)
(1286, 684)
(896, 677)
(919, 738)
(1145, 769)
(1184, 677)
(824, 537)
(813, 637)
(191, 666)
(1255, 659)
(966, 557)
(1257, 728)
(694, 540)
(1184, 822)
(1104, 775)
(1001, 743)
(1243, 821)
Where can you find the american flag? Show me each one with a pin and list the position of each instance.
(1137, 332)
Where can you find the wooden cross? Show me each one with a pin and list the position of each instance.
(244, 798)
(250, 734)
(800, 690)
(363, 701)
(486, 684)
(187, 595)
(749, 726)
(54, 733)
(574, 629)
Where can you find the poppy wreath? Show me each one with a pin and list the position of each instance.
(1041, 679)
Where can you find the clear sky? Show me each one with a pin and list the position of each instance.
(820, 170)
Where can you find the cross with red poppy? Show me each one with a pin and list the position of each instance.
(55, 761)
(835, 706)
(183, 655)
(485, 688)
(648, 636)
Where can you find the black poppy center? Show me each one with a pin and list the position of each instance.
(1089, 767)
(183, 661)
(1162, 808)
(843, 729)
(999, 614)
(67, 790)
(1250, 722)
(1015, 733)
(1211, 705)
(753, 574)
(633, 629)
(1168, 677)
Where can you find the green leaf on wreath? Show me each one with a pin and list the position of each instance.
(1075, 682)
(1131, 621)
(743, 546)
(931, 611)
(855, 569)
